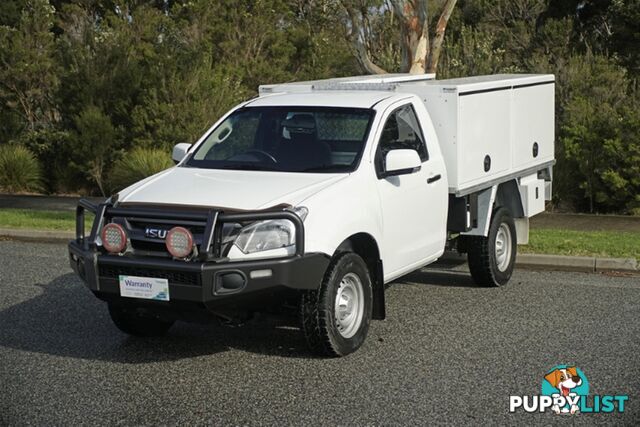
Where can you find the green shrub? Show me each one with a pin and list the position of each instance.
(138, 164)
(52, 149)
(19, 170)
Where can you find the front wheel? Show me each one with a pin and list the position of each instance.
(132, 322)
(335, 318)
(492, 258)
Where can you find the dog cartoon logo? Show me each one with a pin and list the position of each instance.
(565, 390)
(568, 382)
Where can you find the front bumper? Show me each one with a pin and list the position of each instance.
(200, 282)
(210, 283)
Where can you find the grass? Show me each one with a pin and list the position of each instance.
(39, 220)
(541, 240)
(611, 244)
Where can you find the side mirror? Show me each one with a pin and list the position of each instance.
(179, 152)
(402, 162)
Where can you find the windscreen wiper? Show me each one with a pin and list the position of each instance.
(248, 167)
(327, 168)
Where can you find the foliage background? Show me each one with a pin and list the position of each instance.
(82, 82)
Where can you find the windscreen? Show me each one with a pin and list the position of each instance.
(286, 139)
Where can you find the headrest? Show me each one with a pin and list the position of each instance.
(300, 123)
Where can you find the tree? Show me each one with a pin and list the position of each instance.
(598, 150)
(28, 71)
(421, 47)
(85, 82)
(10, 12)
(95, 145)
(626, 36)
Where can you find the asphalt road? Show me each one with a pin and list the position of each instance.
(449, 353)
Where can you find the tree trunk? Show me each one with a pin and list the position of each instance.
(441, 27)
(357, 38)
(362, 56)
(419, 53)
(414, 30)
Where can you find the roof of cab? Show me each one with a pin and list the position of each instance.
(348, 99)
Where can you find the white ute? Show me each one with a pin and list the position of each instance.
(322, 192)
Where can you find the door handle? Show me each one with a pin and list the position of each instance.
(433, 178)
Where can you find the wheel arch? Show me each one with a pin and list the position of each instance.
(366, 247)
(508, 196)
(505, 195)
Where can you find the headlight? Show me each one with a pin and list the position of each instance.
(114, 238)
(179, 242)
(267, 235)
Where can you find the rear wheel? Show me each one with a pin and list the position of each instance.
(492, 258)
(335, 319)
(131, 321)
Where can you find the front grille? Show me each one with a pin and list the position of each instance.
(156, 247)
(145, 246)
(140, 225)
(178, 277)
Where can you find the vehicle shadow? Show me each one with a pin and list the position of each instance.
(445, 272)
(431, 277)
(67, 320)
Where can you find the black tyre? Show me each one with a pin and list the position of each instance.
(132, 322)
(335, 319)
(492, 258)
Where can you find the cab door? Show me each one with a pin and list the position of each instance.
(414, 204)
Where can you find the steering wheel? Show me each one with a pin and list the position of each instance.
(262, 153)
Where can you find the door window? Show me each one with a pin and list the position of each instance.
(401, 131)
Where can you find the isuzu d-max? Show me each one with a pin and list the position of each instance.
(320, 193)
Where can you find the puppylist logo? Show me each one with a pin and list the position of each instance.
(565, 390)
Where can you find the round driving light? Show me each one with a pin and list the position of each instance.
(114, 238)
(179, 242)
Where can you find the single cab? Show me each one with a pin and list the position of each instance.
(319, 194)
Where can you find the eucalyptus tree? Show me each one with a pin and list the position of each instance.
(422, 26)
